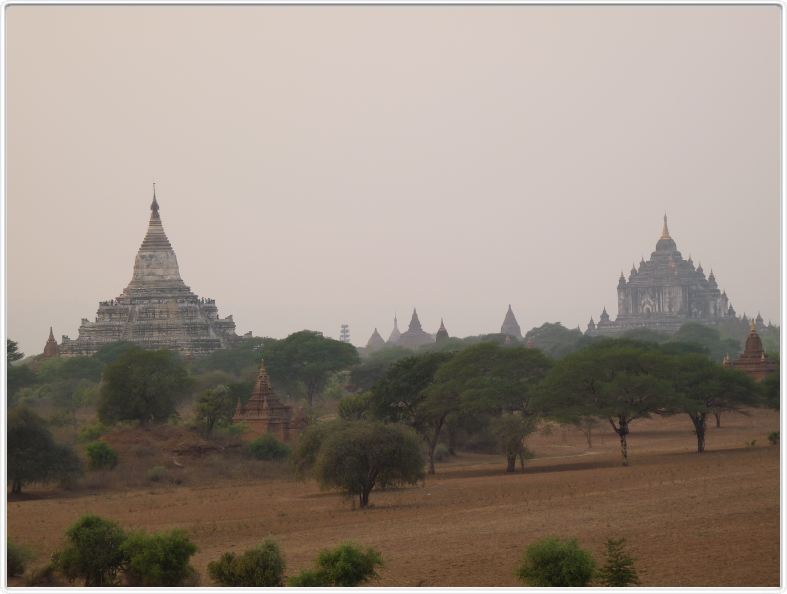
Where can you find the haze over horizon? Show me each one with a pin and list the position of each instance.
(325, 165)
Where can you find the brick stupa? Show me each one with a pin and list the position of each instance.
(754, 361)
(263, 412)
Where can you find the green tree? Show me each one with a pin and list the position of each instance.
(359, 455)
(355, 407)
(554, 339)
(17, 376)
(556, 563)
(704, 388)
(33, 454)
(267, 447)
(93, 552)
(511, 430)
(708, 338)
(262, 566)
(308, 444)
(308, 358)
(618, 380)
(346, 566)
(144, 386)
(214, 406)
(403, 395)
(12, 352)
(618, 570)
(771, 390)
(17, 558)
(109, 353)
(71, 368)
(240, 357)
(100, 456)
(160, 559)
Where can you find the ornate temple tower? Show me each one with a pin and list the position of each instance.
(395, 334)
(415, 336)
(754, 361)
(156, 310)
(50, 348)
(375, 342)
(263, 412)
(664, 293)
(442, 333)
(510, 326)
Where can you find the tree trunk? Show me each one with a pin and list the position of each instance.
(16, 486)
(364, 498)
(432, 443)
(622, 429)
(522, 460)
(511, 459)
(589, 437)
(718, 419)
(699, 428)
(451, 440)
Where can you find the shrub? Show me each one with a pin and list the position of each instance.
(555, 562)
(158, 474)
(17, 558)
(45, 576)
(267, 447)
(262, 566)
(160, 559)
(360, 455)
(441, 453)
(101, 456)
(354, 407)
(619, 570)
(345, 566)
(92, 431)
(773, 437)
(93, 552)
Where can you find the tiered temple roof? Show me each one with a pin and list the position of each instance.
(510, 326)
(156, 310)
(263, 412)
(442, 333)
(754, 361)
(376, 342)
(415, 336)
(664, 293)
(50, 348)
(395, 335)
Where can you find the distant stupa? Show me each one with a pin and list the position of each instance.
(442, 333)
(415, 335)
(50, 348)
(510, 326)
(156, 310)
(376, 342)
(395, 334)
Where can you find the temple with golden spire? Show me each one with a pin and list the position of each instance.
(156, 310)
(664, 293)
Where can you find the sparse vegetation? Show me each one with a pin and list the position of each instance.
(160, 559)
(345, 566)
(158, 474)
(100, 456)
(267, 447)
(262, 566)
(773, 438)
(558, 563)
(93, 554)
(618, 570)
(17, 558)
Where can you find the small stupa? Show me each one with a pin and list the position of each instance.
(415, 335)
(375, 342)
(510, 326)
(395, 334)
(442, 333)
(50, 348)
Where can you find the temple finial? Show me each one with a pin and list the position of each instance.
(665, 229)
(154, 204)
(753, 325)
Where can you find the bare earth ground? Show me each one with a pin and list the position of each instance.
(691, 520)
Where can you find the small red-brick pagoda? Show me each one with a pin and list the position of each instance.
(263, 412)
(753, 361)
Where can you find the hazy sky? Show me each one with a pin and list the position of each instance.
(321, 165)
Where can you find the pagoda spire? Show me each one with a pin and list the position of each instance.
(665, 229)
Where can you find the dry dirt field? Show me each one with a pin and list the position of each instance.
(691, 520)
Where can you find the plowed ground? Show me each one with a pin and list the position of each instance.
(691, 520)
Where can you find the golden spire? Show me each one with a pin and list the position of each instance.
(665, 230)
(753, 325)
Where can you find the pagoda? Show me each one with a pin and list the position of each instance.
(375, 342)
(415, 336)
(664, 293)
(263, 412)
(393, 338)
(442, 333)
(754, 361)
(156, 310)
(50, 348)
(510, 326)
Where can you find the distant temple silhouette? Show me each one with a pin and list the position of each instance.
(664, 293)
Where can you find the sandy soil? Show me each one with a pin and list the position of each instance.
(691, 520)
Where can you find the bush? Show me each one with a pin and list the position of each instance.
(441, 453)
(17, 558)
(262, 566)
(773, 437)
(360, 455)
(354, 407)
(619, 570)
(93, 552)
(345, 566)
(160, 559)
(92, 431)
(100, 456)
(267, 447)
(554, 562)
(158, 474)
